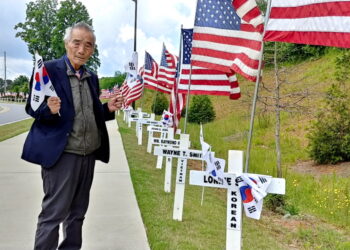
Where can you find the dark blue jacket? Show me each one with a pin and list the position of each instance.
(49, 133)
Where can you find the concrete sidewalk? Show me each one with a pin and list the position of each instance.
(113, 221)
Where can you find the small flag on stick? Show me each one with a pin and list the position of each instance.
(42, 85)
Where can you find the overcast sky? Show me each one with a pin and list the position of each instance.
(113, 20)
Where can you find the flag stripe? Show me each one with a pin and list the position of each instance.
(312, 10)
(223, 57)
(318, 24)
(288, 3)
(321, 22)
(229, 44)
(248, 10)
(315, 38)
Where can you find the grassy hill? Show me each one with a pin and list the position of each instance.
(316, 214)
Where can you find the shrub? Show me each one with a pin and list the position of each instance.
(160, 104)
(201, 110)
(330, 134)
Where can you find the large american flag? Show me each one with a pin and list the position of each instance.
(318, 22)
(204, 81)
(150, 77)
(228, 36)
(167, 69)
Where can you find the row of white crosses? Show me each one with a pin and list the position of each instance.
(231, 182)
(172, 148)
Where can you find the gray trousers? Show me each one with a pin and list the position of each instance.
(67, 190)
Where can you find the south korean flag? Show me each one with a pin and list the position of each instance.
(41, 85)
(253, 189)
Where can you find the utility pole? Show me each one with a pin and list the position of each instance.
(135, 29)
(5, 82)
(135, 24)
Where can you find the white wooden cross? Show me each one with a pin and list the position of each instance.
(183, 143)
(165, 133)
(183, 155)
(145, 121)
(134, 116)
(234, 200)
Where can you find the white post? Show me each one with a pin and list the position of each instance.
(129, 119)
(168, 165)
(234, 203)
(149, 143)
(139, 133)
(163, 135)
(180, 179)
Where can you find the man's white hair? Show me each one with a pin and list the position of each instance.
(80, 25)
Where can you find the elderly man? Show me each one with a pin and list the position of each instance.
(69, 133)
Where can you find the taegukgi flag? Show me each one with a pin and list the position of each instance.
(41, 85)
(167, 118)
(253, 189)
(132, 66)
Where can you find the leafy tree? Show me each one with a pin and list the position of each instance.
(110, 82)
(37, 31)
(20, 84)
(160, 104)
(45, 27)
(201, 110)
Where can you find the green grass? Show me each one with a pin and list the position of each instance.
(203, 227)
(11, 130)
(322, 204)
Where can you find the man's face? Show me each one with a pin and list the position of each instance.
(80, 47)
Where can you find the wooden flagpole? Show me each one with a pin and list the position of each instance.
(252, 115)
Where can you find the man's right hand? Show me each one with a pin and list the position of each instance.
(54, 104)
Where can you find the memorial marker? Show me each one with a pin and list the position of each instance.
(234, 200)
(183, 155)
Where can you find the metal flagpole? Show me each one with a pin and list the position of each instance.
(178, 67)
(5, 80)
(252, 115)
(188, 97)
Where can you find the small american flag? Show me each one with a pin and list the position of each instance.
(167, 69)
(135, 89)
(321, 22)
(227, 36)
(204, 81)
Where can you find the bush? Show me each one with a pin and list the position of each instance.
(201, 110)
(330, 134)
(160, 104)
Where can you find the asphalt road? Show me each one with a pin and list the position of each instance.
(10, 112)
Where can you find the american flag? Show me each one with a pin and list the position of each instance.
(204, 81)
(177, 103)
(135, 89)
(117, 90)
(105, 94)
(167, 69)
(151, 74)
(318, 22)
(227, 36)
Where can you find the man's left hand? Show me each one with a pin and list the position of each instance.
(115, 103)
